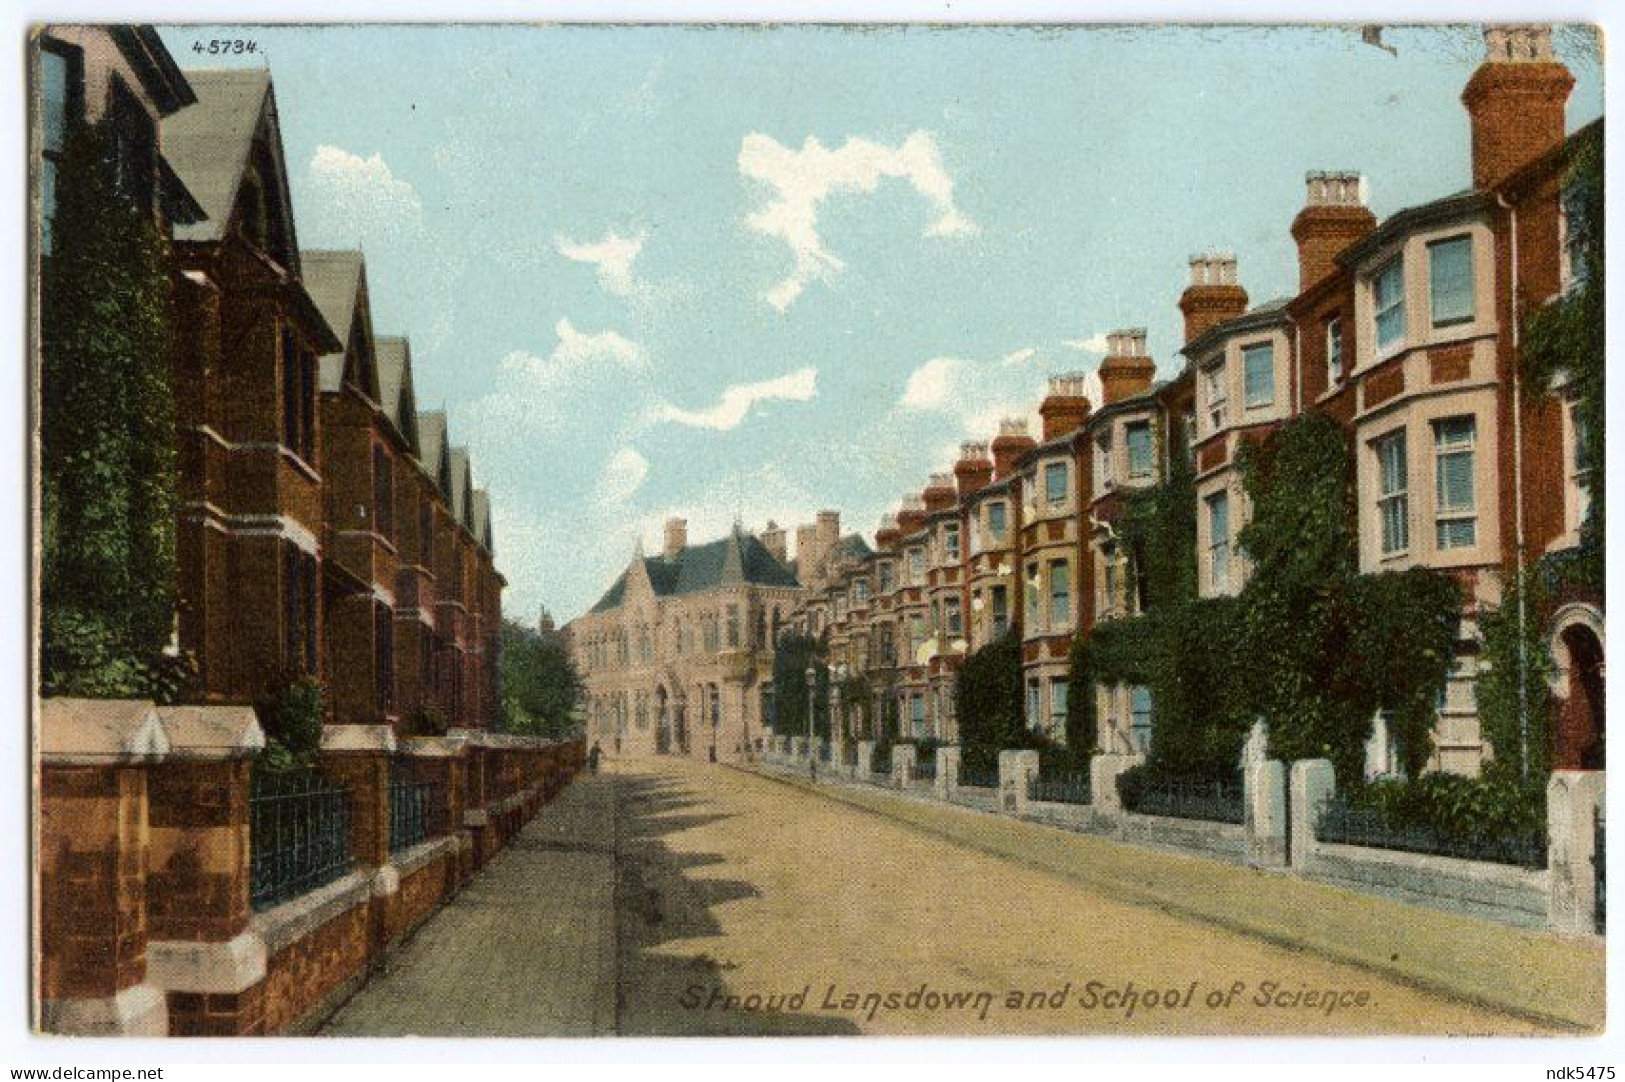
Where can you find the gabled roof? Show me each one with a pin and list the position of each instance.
(210, 145)
(462, 486)
(334, 281)
(395, 387)
(482, 519)
(737, 559)
(434, 449)
(1257, 317)
(152, 63)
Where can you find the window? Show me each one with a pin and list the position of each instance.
(384, 659)
(1108, 560)
(1035, 703)
(955, 618)
(1055, 483)
(298, 397)
(1218, 540)
(1188, 421)
(708, 633)
(1334, 352)
(916, 637)
(1060, 595)
(950, 542)
(997, 520)
(1001, 609)
(1140, 458)
(1057, 704)
(1103, 462)
(383, 492)
(936, 618)
(888, 645)
(1139, 726)
(299, 586)
(1388, 301)
(916, 714)
(1450, 280)
(1258, 374)
(860, 592)
(1393, 500)
(1580, 463)
(916, 565)
(1572, 259)
(884, 574)
(1032, 597)
(1217, 394)
(1455, 518)
(62, 108)
(135, 148)
(426, 532)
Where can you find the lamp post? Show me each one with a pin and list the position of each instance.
(812, 687)
(838, 678)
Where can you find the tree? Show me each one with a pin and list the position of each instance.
(540, 685)
(791, 658)
(988, 686)
(107, 438)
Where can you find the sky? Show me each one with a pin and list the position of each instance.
(745, 273)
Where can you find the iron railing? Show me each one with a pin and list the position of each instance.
(925, 769)
(1188, 798)
(1346, 824)
(1061, 789)
(977, 779)
(1599, 864)
(298, 836)
(880, 762)
(416, 809)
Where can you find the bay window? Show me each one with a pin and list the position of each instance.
(1140, 457)
(1218, 540)
(997, 521)
(1334, 352)
(1060, 595)
(1393, 498)
(1217, 395)
(1455, 510)
(1388, 302)
(1055, 483)
(1258, 374)
(1450, 280)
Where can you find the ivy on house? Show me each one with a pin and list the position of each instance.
(793, 655)
(1564, 341)
(107, 439)
(988, 686)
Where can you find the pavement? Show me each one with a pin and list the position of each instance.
(665, 897)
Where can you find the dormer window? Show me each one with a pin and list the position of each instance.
(1388, 303)
(1450, 280)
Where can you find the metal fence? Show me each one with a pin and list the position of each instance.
(1184, 798)
(1345, 824)
(977, 779)
(1061, 789)
(1599, 864)
(880, 763)
(417, 809)
(298, 836)
(925, 769)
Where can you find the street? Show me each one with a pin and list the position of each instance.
(674, 898)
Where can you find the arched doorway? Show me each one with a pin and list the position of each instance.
(1580, 723)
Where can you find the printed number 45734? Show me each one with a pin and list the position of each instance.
(225, 47)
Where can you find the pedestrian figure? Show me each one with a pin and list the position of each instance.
(593, 757)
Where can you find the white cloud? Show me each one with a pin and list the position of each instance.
(737, 401)
(1093, 344)
(802, 179)
(575, 348)
(362, 193)
(1026, 353)
(623, 474)
(613, 256)
(931, 386)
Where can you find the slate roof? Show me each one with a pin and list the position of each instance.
(395, 387)
(735, 559)
(208, 143)
(432, 443)
(462, 484)
(482, 519)
(333, 280)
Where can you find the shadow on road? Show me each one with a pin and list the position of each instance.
(658, 902)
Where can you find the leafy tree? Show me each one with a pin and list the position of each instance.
(540, 685)
(791, 658)
(988, 686)
(107, 437)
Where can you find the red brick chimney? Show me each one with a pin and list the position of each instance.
(1213, 297)
(1011, 444)
(1333, 217)
(939, 493)
(974, 468)
(886, 536)
(910, 516)
(1126, 370)
(1515, 101)
(1065, 408)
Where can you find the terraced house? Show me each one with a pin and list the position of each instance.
(334, 591)
(1405, 332)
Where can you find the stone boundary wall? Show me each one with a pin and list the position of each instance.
(143, 838)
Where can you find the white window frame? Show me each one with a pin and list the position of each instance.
(1395, 266)
(1334, 352)
(1472, 299)
(1064, 471)
(1150, 466)
(1249, 353)
(1445, 513)
(1216, 392)
(1393, 503)
(1060, 572)
(1218, 548)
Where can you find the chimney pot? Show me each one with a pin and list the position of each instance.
(1213, 297)
(676, 537)
(1515, 102)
